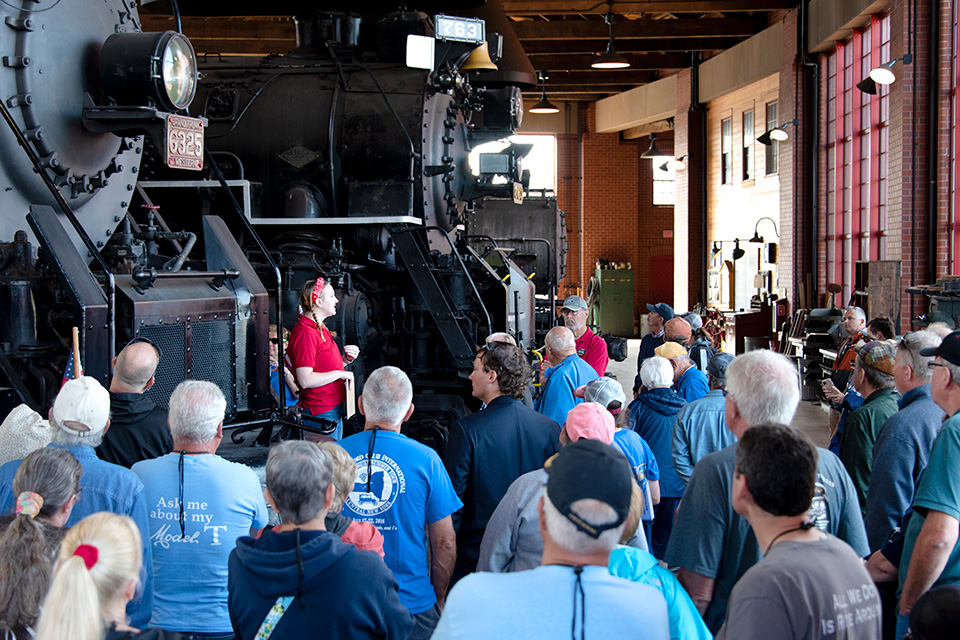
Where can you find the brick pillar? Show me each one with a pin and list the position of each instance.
(908, 216)
(797, 242)
(689, 213)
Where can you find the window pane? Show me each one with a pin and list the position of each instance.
(772, 151)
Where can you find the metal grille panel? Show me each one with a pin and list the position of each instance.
(212, 345)
(171, 339)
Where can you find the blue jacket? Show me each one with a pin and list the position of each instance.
(640, 566)
(346, 593)
(700, 429)
(103, 487)
(486, 452)
(556, 397)
(899, 457)
(692, 385)
(652, 415)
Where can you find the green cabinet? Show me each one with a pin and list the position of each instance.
(613, 310)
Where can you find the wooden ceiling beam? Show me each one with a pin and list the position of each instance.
(569, 97)
(637, 61)
(242, 47)
(586, 88)
(684, 28)
(597, 77)
(577, 7)
(225, 28)
(550, 47)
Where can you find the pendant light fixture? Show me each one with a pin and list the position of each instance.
(653, 153)
(610, 59)
(544, 105)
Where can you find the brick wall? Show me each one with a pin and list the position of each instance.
(605, 179)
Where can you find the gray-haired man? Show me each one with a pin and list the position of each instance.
(582, 514)
(199, 504)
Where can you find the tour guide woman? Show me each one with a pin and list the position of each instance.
(317, 361)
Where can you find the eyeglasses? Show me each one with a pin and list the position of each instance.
(146, 341)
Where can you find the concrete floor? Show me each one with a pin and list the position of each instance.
(810, 417)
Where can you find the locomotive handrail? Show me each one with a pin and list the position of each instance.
(264, 436)
(71, 216)
(550, 269)
(463, 265)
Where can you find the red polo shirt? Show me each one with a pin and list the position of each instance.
(593, 349)
(314, 347)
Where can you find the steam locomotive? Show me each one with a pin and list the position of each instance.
(336, 158)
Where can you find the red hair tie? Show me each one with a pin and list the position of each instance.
(89, 553)
(317, 289)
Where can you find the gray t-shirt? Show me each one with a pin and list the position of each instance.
(805, 590)
(512, 540)
(709, 538)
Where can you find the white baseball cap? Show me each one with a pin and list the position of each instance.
(603, 391)
(82, 407)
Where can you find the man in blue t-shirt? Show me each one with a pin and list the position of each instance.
(403, 489)
(199, 505)
(567, 372)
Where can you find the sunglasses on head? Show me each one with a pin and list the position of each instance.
(146, 341)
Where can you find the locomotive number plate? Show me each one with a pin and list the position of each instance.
(184, 142)
(460, 29)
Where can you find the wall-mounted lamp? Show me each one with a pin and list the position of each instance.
(714, 250)
(737, 251)
(777, 133)
(677, 164)
(544, 105)
(653, 153)
(882, 75)
(610, 59)
(757, 238)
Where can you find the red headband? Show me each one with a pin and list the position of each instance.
(317, 289)
(89, 553)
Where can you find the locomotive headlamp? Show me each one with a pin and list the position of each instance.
(157, 67)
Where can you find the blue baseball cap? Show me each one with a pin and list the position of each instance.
(662, 309)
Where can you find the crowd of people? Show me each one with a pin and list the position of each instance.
(690, 510)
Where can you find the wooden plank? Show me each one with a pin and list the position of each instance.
(225, 28)
(574, 7)
(637, 61)
(591, 76)
(552, 47)
(682, 28)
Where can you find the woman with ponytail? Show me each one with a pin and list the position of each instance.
(317, 361)
(97, 573)
(46, 485)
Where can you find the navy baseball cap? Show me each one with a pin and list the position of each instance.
(590, 469)
(662, 309)
(949, 349)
